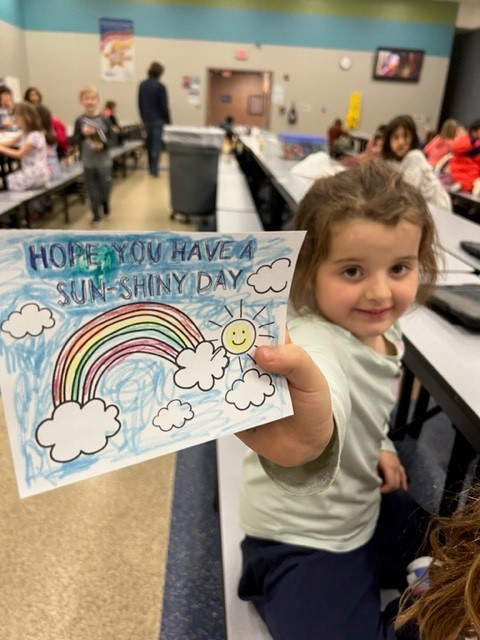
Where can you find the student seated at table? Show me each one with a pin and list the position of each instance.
(465, 163)
(7, 121)
(372, 150)
(51, 140)
(110, 112)
(444, 603)
(400, 149)
(324, 503)
(33, 95)
(339, 139)
(442, 144)
(31, 151)
(374, 145)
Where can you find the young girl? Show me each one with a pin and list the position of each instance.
(32, 150)
(441, 145)
(450, 608)
(318, 546)
(51, 140)
(400, 147)
(465, 164)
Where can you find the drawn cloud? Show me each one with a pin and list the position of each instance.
(175, 414)
(251, 389)
(74, 429)
(30, 320)
(200, 366)
(271, 277)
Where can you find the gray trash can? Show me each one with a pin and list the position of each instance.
(193, 153)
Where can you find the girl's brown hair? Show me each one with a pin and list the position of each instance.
(47, 124)
(449, 129)
(371, 191)
(404, 122)
(450, 609)
(29, 114)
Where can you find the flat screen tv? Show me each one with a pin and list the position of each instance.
(401, 65)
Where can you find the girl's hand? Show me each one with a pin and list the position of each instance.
(392, 471)
(300, 438)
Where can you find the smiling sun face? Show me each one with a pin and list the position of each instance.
(238, 336)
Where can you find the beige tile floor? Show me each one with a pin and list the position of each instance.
(87, 561)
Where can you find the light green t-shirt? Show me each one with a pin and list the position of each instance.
(333, 502)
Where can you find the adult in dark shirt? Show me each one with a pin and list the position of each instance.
(153, 107)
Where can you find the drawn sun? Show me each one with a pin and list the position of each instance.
(239, 335)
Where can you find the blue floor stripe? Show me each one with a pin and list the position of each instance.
(193, 606)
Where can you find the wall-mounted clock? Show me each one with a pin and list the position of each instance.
(345, 63)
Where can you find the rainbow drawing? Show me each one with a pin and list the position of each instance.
(153, 328)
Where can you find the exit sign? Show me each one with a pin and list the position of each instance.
(241, 54)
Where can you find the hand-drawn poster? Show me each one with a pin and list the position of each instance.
(119, 347)
(117, 51)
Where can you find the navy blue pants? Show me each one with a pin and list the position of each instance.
(310, 594)
(154, 144)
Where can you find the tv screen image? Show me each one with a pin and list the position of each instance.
(402, 65)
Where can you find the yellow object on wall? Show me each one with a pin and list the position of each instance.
(354, 107)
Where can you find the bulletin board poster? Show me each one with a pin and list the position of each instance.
(116, 348)
(117, 50)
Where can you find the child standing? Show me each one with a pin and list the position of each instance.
(32, 150)
(94, 135)
(465, 164)
(400, 147)
(317, 541)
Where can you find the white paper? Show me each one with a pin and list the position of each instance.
(120, 347)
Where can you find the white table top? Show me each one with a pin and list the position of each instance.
(449, 348)
(456, 265)
(233, 194)
(452, 229)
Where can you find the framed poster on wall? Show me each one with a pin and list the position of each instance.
(255, 105)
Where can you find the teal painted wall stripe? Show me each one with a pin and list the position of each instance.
(239, 25)
(10, 11)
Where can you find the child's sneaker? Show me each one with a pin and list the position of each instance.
(96, 221)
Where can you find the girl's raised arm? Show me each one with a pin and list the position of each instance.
(16, 153)
(11, 141)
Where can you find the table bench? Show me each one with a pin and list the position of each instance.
(17, 201)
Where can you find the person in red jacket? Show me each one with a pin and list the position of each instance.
(465, 165)
(63, 146)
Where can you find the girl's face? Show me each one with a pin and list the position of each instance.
(6, 100)
(34, 97)
(370, 276)
(401, 142)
